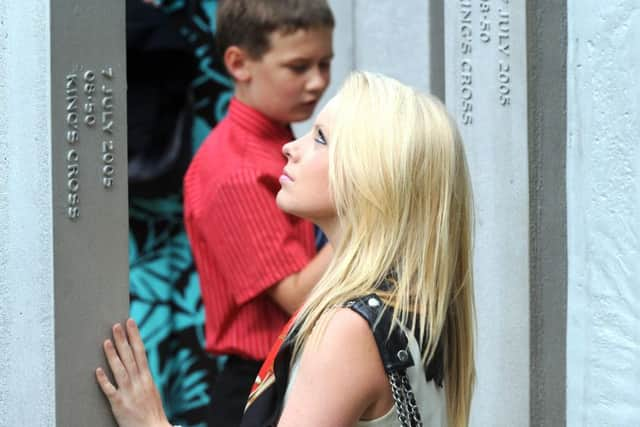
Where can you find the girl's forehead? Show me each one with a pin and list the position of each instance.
(325, 117)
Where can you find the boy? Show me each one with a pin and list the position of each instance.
(256, 263)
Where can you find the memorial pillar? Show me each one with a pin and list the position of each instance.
(403, 40)
(63, 206)
(505, 86)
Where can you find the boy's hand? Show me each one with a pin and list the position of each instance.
(136, 401)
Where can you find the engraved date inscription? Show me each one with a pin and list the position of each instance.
(504, 47)
(483, 24)
(89, 108)
(107, 150)
(89, 92)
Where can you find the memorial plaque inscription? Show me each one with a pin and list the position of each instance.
(89, 108)
(486, 91)
(491, 21)
(466, 68)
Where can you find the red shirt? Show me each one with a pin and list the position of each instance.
(242, 242)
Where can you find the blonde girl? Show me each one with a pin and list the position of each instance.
(383, 173)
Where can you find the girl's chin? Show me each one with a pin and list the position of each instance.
(285, 207)
(281, 201)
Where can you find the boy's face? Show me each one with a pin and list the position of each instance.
(288, 80)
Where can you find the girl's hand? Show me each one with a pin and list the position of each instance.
(134, 399)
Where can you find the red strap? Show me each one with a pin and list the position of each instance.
(266, 371)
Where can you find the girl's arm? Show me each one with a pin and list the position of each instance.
(340, 379)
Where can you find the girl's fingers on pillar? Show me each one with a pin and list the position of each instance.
(120, 374)
(107, 388)
(124, 350)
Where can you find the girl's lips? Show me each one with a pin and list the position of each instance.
(284, 178)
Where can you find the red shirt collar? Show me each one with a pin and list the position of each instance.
(257, 123)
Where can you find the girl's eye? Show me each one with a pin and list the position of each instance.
(320, 139)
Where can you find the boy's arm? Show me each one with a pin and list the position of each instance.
(291, 291)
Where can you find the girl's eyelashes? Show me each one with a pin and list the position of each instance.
(320, 139)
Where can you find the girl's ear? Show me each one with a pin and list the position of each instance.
(238, 63)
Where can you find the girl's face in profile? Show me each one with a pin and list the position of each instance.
(304, 181)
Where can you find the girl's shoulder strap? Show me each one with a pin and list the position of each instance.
(394, 348)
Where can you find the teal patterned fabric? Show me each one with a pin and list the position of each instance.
(164, 287)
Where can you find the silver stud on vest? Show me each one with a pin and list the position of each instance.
(373, 302)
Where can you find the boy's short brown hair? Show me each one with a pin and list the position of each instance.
(249, 23)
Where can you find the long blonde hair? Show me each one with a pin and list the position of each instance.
(399, 181)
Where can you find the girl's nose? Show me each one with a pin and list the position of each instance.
(291, 150)
(286, 149)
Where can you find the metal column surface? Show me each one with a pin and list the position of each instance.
(547, 94)
(89, 180)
